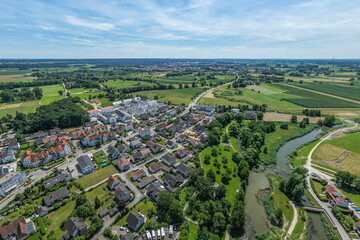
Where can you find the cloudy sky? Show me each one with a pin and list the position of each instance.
(179, 29)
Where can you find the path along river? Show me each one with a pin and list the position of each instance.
(258, 181)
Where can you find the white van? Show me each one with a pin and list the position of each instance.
(162, 233)
(158, 234)
(170, 231)
(148, 235)
(153, 234)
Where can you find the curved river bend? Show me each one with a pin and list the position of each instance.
(259, 181)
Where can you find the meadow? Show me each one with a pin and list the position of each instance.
(127, 84)
(312, 99)
(175, 96)
(50, 94)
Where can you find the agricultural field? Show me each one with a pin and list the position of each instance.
(269, 94)
(188, 79)
(15, 78)
(342, 153)
(50, 94)
(175, 96)
(79, 90)
(283, 117)
(127, 84)
(311, 99)
(350, 92)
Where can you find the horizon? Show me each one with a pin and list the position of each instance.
(192, 29)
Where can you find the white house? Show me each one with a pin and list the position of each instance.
(8, 155)
(93, 113)
(123, 116)
(85, 164)
(109, 109)
(11, 181)
(116, 104)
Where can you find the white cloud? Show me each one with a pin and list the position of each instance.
(89, 24)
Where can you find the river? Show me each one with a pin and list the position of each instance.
(258, 181)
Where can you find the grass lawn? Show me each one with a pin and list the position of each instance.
(57, 217)
(235, 180)
(127, 84)
(280, 199)
(302, 154)
(100, 157)
(354, 196)
(193, 229)
(175, 96)
(299, 228)
(141, 206)
(77, 90)
(104, 195)
(318, 189)
(97, 176)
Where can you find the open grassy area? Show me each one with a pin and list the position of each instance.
(302, 154)
(235, 180)
(349, 142)
(353, 195)
(318, 189)
(299, 228)
(328, 152)
(280, 199)
(127, 84)
(104, 195)
(175, 96)
(142, 206)
(50, 94)
(97, 176)
(193, 229)
(57, 217)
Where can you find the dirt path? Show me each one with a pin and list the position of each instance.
(293, 222)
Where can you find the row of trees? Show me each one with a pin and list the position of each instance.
(23, 94)
(312, 112)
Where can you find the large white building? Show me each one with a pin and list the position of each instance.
(11, 181)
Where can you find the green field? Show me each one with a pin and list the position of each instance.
(175, 96)
(104, 195)
(311, 99)
(127, 84)
(334, 89)
(235, 180)
(97, 176)
(50, 94)
(57, 217)
(77, 90)
(349, 142)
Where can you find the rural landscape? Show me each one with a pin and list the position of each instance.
(179, 120)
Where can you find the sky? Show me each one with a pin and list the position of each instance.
(179, 29)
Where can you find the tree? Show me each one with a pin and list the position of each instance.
(207, 159)
(237, 218)
(97, 202)
(220, 192)
(213, 139)
(329, 121)
(239, 117)
(225, 138)
(234, 129)
(60, 92)
(38, 92)
(293, 119)
(169, 209)
(98, 144)
(211, 175)
(259, 115)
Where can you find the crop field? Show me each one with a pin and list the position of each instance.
(335, 89)
(310, 99)
(50, 94)
(13, 71)
(126, 84)
(269, 94)
(15, 78)
(78, 90)
(175, 96)
(188, 79)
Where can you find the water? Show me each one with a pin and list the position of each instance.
(258, 181)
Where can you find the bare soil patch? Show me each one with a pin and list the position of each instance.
(283, 117)
(209, 95)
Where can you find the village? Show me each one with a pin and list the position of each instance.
(150, 145)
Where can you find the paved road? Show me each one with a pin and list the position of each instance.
(293, 222)
(340, 229)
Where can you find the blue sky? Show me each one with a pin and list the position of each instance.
(179, 29)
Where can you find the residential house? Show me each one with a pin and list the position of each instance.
(146, 182)
(14, 145)
(184, 169)
(54, 131)
(112, 182)
(153, 190)
(93, 113)
(135, 220)
(170, 144)
(144, 132)
(123, 116)
(138, 174)
(154, 147)
(200, 128)
(85, 164)
(103, 213)
(11, 181)
(122, 164)
(206, 108)
(155, 167)
(195, 143)
(135, 143)
(20, 229)
(335, 197)
(123, 148)
(113, 151)
(90, 124)
(122, 193)
(160, 126)
(8, 155)
(41, 210)
(78, 133)
(168, 160)
(107, 118)
(182, 153)
(116, 104)
(181, 138)
(52, 182)
(172, 182)
(76, 226)
(56, 196)
(109, 109)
